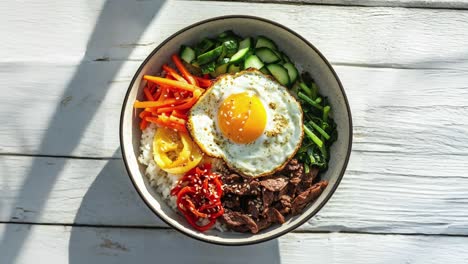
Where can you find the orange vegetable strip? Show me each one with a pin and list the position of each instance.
(187, 103)
(187, 75)
(148, 94)
(151, 86)
(144, 114)
(171, 83)
(204, 83)
(157, 94)
(164, 92)
(143, 124)
(168, 124)
(172, 72)
(179, 114)
(152, 104)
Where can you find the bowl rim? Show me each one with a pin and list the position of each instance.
(292, 227)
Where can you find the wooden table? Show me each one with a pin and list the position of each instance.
(66, 198)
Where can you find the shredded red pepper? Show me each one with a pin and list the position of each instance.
(199, 194)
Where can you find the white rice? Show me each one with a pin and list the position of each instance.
(161, 181)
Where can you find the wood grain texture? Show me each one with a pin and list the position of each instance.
(380, 193)
(392, 37)
(75, 245)
(394, 110)
(445, 4)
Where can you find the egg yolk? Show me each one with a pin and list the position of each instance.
(242, 118)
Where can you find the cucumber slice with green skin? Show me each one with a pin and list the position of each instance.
(285, 57)
(221, 69)
(266, 55)
(280, 61)
(222, 55)
(204, 46)
(187, 54)
(280, 73)
(246, 43)
(292, 71)
(253, 61)
(263, 41)
(233, 68)
(210, 56)
(240, 54)
(264, 70)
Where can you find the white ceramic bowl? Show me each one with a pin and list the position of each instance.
(305, 56)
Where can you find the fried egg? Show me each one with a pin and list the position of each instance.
(250, 121)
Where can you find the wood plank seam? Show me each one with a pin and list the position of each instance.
(353, 232)
(446, 5)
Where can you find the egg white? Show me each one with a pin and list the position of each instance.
(269, 152)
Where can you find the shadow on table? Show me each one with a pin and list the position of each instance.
(113, 196)
(119, 21)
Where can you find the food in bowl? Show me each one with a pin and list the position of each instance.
(236, 138)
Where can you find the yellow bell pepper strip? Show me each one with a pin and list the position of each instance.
(175, 152)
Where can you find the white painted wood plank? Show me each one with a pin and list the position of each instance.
(394, 110)
(450, 4)
(73, 245)
(121, 30)
(381, 192)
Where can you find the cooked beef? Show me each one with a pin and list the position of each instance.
(273, 215)
(275, 184)
(268, 197)
(231, 201)
(239, 221)
(308, 179)
(255, 204)
(284, 204)
(312, 193)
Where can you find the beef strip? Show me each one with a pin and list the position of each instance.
(273, 216)
(275, 184)
(312, 193)
(239, 222)
(255, 204)
(308, 180)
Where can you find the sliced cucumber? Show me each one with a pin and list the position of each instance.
(292, 71)
(246, 43)
(263, 41)
(267, 55)
(210, 56)
(222, 55)
(253, 61)
(264, 70)
(285, 57)
(233, 68)
(221, 69)
(204, 46)
(278, 54)
(280, 73)
(187, 54)
(240, 54)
